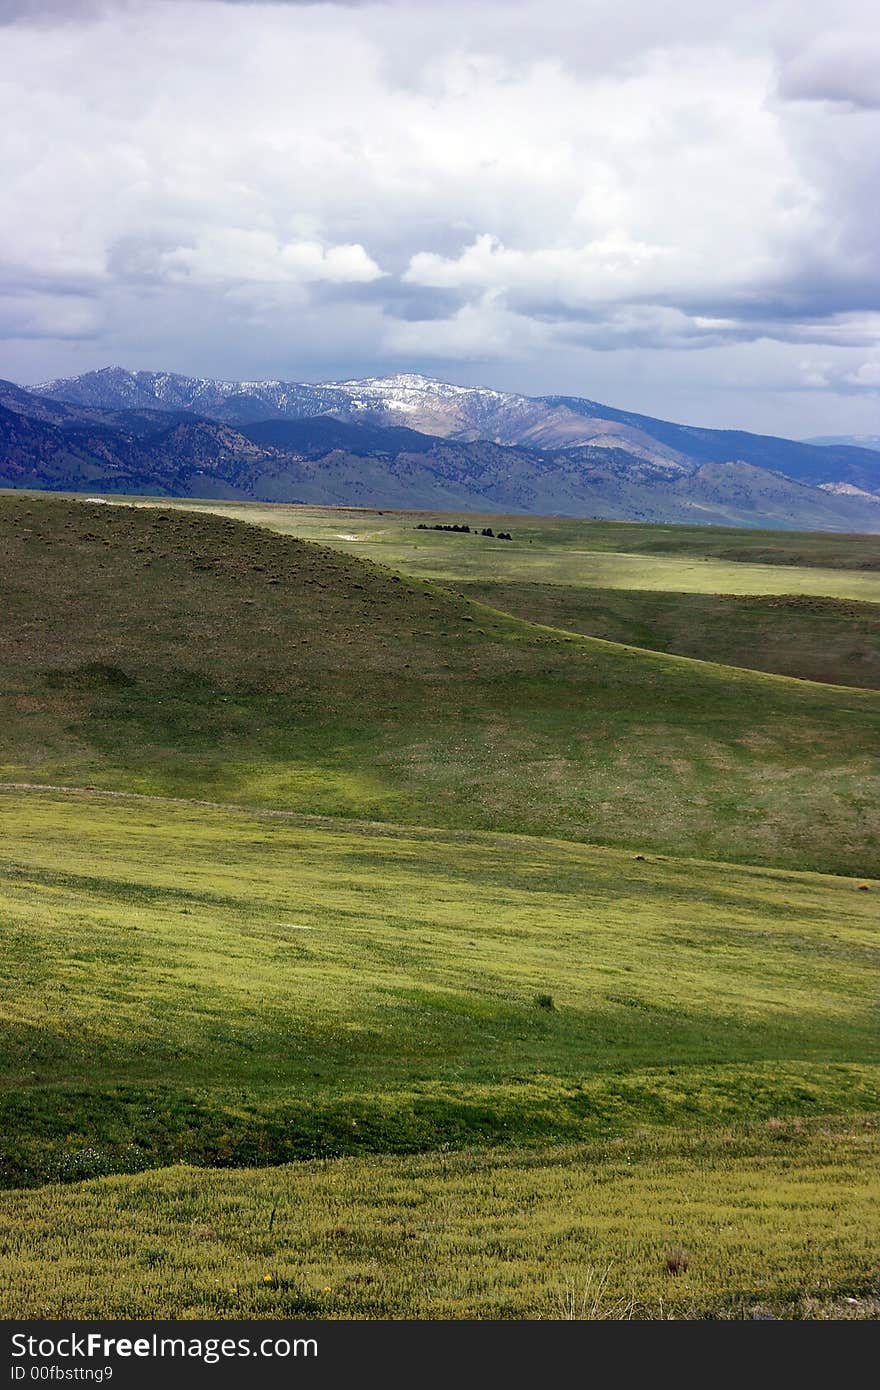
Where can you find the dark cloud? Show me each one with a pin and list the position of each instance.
(55, 11)
(410, 303)
(842, 68)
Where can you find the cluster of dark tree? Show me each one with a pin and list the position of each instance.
(437, 527)
(462, 530)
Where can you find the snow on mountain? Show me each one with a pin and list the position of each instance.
(469, 414)
(405, 398)
(409, 440)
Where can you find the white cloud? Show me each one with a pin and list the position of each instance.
(580, 192)
(866, 376)
(603, 269)
(237, 255)
(482, 330)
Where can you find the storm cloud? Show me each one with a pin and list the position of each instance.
(665, 208)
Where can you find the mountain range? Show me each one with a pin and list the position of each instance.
(411, 441)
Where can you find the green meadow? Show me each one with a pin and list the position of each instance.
(191, 983)
(591, 554)
(386, 944)
(818, 639)
(797, 604)
(180, 654)
(778, 1219)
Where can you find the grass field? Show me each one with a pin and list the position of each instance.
(818, 639)
(495, 960)
(591, 554)
(187, 655)
(561, 547)
(774, 1219)
(186, 983)
(804, 604)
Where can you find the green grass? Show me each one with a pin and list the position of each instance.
(534, 953)
(778, 1218)
(817, 639)
(190, 984)
(551, 536)
(590, 554)
(797, 604)
(187, 655)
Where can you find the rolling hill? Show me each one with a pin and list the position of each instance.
(307, 859)
(804, 604)
(190, 655)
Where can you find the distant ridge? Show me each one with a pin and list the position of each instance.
(856, 441)
(411, 441)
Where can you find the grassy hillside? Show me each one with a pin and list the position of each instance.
(603, 554)
(817, 639)
(188, 655)
(504, 1057)
(805, 604)
(186, 984)
(777, 1219)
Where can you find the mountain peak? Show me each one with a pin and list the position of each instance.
(415, 383)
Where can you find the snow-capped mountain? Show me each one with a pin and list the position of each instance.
(503, 417)
(114, 388)
(493, 449)
(407, 398)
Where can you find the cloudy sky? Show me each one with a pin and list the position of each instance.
(670, 208)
